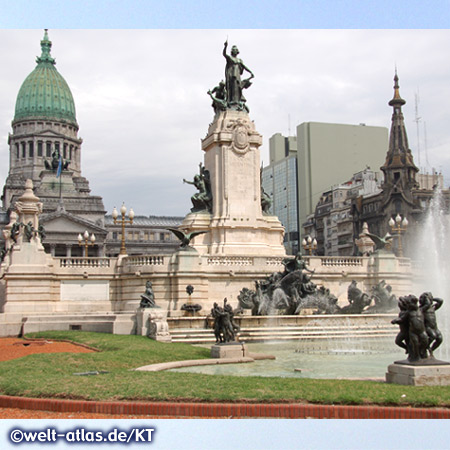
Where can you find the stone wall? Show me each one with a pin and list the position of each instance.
(115, 285)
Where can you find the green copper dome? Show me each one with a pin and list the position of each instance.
(45, 93)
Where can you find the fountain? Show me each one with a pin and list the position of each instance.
(431, 253)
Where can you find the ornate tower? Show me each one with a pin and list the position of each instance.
(399, 168)
(45, 148)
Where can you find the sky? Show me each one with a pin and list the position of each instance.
(142, 104)
(139, 71)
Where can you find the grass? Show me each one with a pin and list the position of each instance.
(52, 375)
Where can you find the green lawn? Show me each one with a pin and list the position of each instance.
(52, 375)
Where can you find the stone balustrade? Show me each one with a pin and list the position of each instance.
(76, 262)
(339, 261)
(145, 260)
(230, 261)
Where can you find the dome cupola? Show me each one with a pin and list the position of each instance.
(45, 94)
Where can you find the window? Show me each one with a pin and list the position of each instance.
(48, 151)
(65, 151)
(24, 151)
(17, 151)
(31, 149)
(39, 148)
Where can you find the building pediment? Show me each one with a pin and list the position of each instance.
(66, 223)
(50, 134)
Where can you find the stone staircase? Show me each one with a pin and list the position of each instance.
(313, 330)
(306, 333)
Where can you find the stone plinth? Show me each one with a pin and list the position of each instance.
(237, 225)
(152, 322)
(419, 375)
(229, 350)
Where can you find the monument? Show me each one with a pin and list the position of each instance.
(150, 318)
(229, 202)
(419, 336)
(227, 241)
(226, 331)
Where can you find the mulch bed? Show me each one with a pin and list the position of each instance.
(13, 348)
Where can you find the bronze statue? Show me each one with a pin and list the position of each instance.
(358, 300)
(148, 298)
(428, 306)
(202, 200)
(225, 328)
(266, 201)
(234, 84)
(29, 231)
(219, 97)
(287, 292)
(54, 163)
(383, 298)
(381, 243)
(185, 238)
(15, 231)
(41, 232)
(413, 335)
(3, 254)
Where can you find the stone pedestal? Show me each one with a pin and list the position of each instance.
(152, 322)
(237, 225)
(229, 350)
(419, 375)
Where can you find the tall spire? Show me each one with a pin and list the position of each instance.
(399, 154)
(399, 159)
(46, 46)
(397, 100)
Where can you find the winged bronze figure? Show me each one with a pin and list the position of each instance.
(185, 238)
(380, 242)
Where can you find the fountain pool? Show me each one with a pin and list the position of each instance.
(293, 360)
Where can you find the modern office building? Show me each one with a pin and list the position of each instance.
(279, 181)
(321, 156)
(328, 154)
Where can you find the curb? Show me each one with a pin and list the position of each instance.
(225, 410)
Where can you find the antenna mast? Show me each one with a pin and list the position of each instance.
(417, 120)
(425, 142)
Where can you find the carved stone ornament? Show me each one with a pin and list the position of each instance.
(240, 141)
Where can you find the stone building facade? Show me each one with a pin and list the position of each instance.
(44, 147)
(402, 191)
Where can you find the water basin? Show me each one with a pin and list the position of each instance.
(299, 361)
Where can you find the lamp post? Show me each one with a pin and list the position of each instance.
(399, 226)
(309, 244)
(86, 240)
(123, 222)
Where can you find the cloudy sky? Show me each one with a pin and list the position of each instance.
(142, 106)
